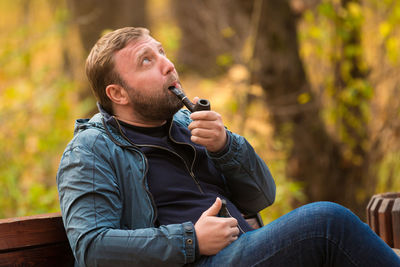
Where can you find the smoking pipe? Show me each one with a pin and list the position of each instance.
(202, 104)
(223, 212)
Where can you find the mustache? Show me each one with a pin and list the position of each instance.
(171, 80)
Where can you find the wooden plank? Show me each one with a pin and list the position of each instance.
(31, 231)
(385, 221)
(396, 223)
(374, 214)
(369, 206)
(59, 255)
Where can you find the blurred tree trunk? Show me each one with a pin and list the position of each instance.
(212, 34)
(93, 17)
(321, 161)
(281, 74)
(315, 158)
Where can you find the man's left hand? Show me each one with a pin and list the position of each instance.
(208, 130)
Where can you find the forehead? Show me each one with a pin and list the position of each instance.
(136, 47)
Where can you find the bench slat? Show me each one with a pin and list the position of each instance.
(29, 231)
(59, 255)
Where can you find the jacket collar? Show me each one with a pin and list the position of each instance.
(106, 123)
(102, 122)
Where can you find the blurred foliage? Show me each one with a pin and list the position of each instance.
(41, 81)
(336, 31)
(326, 34)
(38, 104)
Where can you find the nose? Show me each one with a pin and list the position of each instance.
(167, 66)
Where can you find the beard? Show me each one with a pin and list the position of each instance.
(159, 106)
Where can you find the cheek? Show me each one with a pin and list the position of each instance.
(150, 79)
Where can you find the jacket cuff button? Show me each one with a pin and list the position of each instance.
(189, 241)
(188, 228)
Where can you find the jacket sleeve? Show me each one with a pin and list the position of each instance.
(247, 176)
(91, 207)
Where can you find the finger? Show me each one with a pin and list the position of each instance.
(205, 115)
(210, 144)
(195, 99)
(214, 209)
(232, 222)
(204, 133)
(235, 231)
(206, 124)
(201, 141)
(199, 124)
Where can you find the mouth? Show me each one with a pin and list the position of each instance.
(174, 83)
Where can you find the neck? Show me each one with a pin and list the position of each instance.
(131, 117)
(141, 123)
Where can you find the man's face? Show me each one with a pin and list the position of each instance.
(147, 73)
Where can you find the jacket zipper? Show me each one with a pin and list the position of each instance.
(153, 203)
(194, 159)
(146, 164)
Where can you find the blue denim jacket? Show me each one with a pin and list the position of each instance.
(108, 212)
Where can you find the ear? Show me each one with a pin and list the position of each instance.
(117, 94)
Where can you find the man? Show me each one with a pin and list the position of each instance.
(141, 183)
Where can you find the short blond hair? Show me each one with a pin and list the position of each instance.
(100, 64)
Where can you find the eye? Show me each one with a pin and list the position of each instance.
(161, 51)
(146, 60)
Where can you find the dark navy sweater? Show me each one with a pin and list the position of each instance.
(181, 178)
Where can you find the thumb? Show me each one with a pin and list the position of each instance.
(195, 99)
(214, 209)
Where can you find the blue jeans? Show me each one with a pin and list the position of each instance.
(317, 234)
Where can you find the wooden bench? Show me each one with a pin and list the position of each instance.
(383, 216)
(34, 241)
(40, 240)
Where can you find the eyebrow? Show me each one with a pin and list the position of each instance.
(146, 51)
(142, 53)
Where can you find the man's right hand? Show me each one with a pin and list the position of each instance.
(214, 233)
